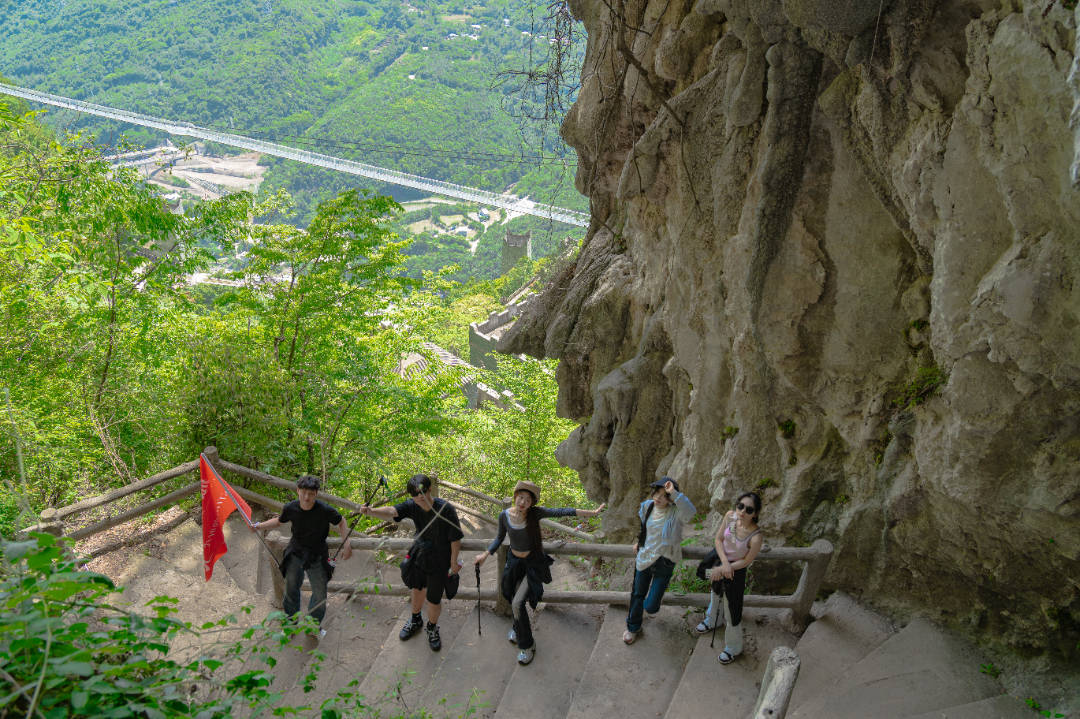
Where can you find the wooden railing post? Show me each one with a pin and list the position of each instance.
(501, 605)
(212, 456)
(810, 582)
(777, 684)
(49, 523)
(275, 542)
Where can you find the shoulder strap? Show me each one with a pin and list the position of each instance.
(642, 532)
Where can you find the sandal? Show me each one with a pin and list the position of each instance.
(726, 658)
(629, 637)
(702, 628)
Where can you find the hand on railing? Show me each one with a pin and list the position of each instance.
(480, 558)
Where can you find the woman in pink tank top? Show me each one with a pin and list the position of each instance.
(738, 541)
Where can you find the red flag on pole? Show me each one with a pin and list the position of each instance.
(218, 502)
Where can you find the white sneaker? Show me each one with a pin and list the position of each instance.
(526, 655)
(511, 637)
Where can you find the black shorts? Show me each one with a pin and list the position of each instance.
(435, 584)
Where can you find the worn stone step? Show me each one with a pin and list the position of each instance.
(355, 632)
(565, 637)
(709, 688)
(402, 670)
(474, 671)
(637, 680)
(1001, 706)
(915, 671)
(842, 633)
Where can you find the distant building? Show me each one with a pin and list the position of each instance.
(515, 247)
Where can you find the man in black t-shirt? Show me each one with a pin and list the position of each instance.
(311, 520)
(439, 532)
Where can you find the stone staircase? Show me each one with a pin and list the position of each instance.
(853, 662)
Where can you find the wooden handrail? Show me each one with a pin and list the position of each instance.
(472, 493)
(815, 557)
(798, 602)
(561, 547)
(51, 514)
(549, 523)
(283, 483)
(142, 509)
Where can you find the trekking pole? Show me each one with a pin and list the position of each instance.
(716, 614)
(477, 568)
(356, 516)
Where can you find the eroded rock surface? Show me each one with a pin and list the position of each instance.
(835, 254)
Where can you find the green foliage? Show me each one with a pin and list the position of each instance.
(1035, 705)
(90, 263)
(685, 580)
(729, 432)
(922, 387)
(787, 428)
(764, 483)
(117, 368)
(990, 670)
(919, 324)
(68, 651)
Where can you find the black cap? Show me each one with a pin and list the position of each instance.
(659, 484)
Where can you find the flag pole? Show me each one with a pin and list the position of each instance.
(228, 490)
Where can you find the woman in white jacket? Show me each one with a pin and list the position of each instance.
(659, 549)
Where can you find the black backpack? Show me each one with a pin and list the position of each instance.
(414, 568)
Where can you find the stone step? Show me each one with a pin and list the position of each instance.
(402, 670)
(841, 634)
(637, 680)
(565, 638)
(1002, 706)
(709, 688)
(917, 670)
(355, 632)
(474, 671)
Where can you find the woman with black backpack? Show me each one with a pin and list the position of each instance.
(527, 568)
(659, 549)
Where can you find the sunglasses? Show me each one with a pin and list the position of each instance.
(747, 508)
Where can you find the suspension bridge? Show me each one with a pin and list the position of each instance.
(505, 201)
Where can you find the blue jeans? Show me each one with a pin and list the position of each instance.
(294, 577)
(649, 587)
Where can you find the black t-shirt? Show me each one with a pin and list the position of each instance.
(311, 527)
(446, 529)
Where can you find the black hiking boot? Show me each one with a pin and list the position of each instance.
(433, 639)
(411, 627)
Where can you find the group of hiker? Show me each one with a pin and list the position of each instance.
(432, 565)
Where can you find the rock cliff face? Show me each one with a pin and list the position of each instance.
(835, 254)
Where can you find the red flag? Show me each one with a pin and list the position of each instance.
(218, 502)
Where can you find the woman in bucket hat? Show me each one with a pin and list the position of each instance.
(527, 568)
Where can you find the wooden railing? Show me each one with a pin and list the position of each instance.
(815, 558)
(502, 504)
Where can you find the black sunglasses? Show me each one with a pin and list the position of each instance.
(748, 508)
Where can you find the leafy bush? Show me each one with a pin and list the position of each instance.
(66, 651)
(922, 387)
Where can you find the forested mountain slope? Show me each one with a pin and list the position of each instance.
(418, 86)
